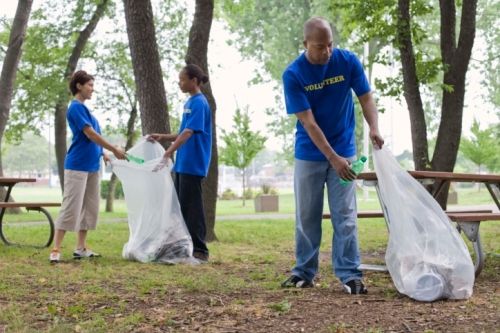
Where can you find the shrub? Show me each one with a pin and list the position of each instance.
(268, 190)
(228, 194)
(248, 194)
(105, 188)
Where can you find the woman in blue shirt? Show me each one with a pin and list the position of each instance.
(193, 144)
(80, 206)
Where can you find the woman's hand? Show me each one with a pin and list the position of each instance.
(154, 137)
(163, 163)
(119, 153)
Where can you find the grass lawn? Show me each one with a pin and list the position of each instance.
(241, 282)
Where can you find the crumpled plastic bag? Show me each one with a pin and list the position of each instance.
(426, 257)
(158, 232)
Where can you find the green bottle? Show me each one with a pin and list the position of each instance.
(135, 159)
(356, 166)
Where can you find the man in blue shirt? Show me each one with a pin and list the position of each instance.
(318, 89)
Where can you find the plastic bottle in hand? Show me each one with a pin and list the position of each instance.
(356, 166)
(135, 159)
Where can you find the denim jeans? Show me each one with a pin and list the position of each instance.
(188, 188)
(309, 183)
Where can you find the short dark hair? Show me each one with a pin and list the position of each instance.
(79, 77)
(194, 71)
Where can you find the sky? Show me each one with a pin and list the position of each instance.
(230, 74)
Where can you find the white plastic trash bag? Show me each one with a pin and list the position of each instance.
(426, 257)
(157, 229)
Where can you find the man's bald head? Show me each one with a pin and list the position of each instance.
(316, 25)
(318, 40)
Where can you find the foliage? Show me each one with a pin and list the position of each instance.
(228, 194)
(264, 31)
(268, 190)
(488, 24)
(482, 147)
(31, 154)
(248, 194)
(105, 189)
(241, 145)
(50, 38)
(283, 127)
(270, 32)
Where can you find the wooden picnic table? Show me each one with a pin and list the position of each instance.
(492, 182)
(9, 183)
(467, 221)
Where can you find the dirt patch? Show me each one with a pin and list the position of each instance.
(325, 308)
(317, 310)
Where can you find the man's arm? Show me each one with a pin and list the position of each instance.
(340, 164)
(370, 113)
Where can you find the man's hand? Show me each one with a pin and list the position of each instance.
(342, 167)
(376, 139)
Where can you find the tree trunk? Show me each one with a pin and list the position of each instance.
(244, 171)
(64, 95)
(147, 69)
(130, 141)
(411, 88)
(9, 69)
(199, 36)
(455, 61)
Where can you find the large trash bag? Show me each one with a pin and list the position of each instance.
(157, 229)
(426, 257)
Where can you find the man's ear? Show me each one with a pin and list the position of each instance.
(305, 43)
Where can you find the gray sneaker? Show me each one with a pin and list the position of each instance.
(84, 253)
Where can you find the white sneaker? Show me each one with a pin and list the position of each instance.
(55, 256)
(84, 253)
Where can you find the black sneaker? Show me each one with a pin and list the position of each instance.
(296, 282)
(355, 287)
(201, 256)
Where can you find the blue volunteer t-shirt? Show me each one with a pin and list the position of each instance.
(193, 157)
(83, 154)
(326, 90)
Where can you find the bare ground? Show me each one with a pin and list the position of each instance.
(324, 308)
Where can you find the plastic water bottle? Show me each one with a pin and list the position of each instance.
(356, 166)
(135, 159)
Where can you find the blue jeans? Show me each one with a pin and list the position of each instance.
(309, 183)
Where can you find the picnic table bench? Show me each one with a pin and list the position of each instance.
(468, 221)
(9, 183)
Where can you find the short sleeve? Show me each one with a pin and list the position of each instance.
(295, 97)
(77, 116)
(195, 119)
(359, 82)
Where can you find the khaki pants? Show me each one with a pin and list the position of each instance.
(80, 206)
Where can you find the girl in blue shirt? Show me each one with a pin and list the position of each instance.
(193, 144)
